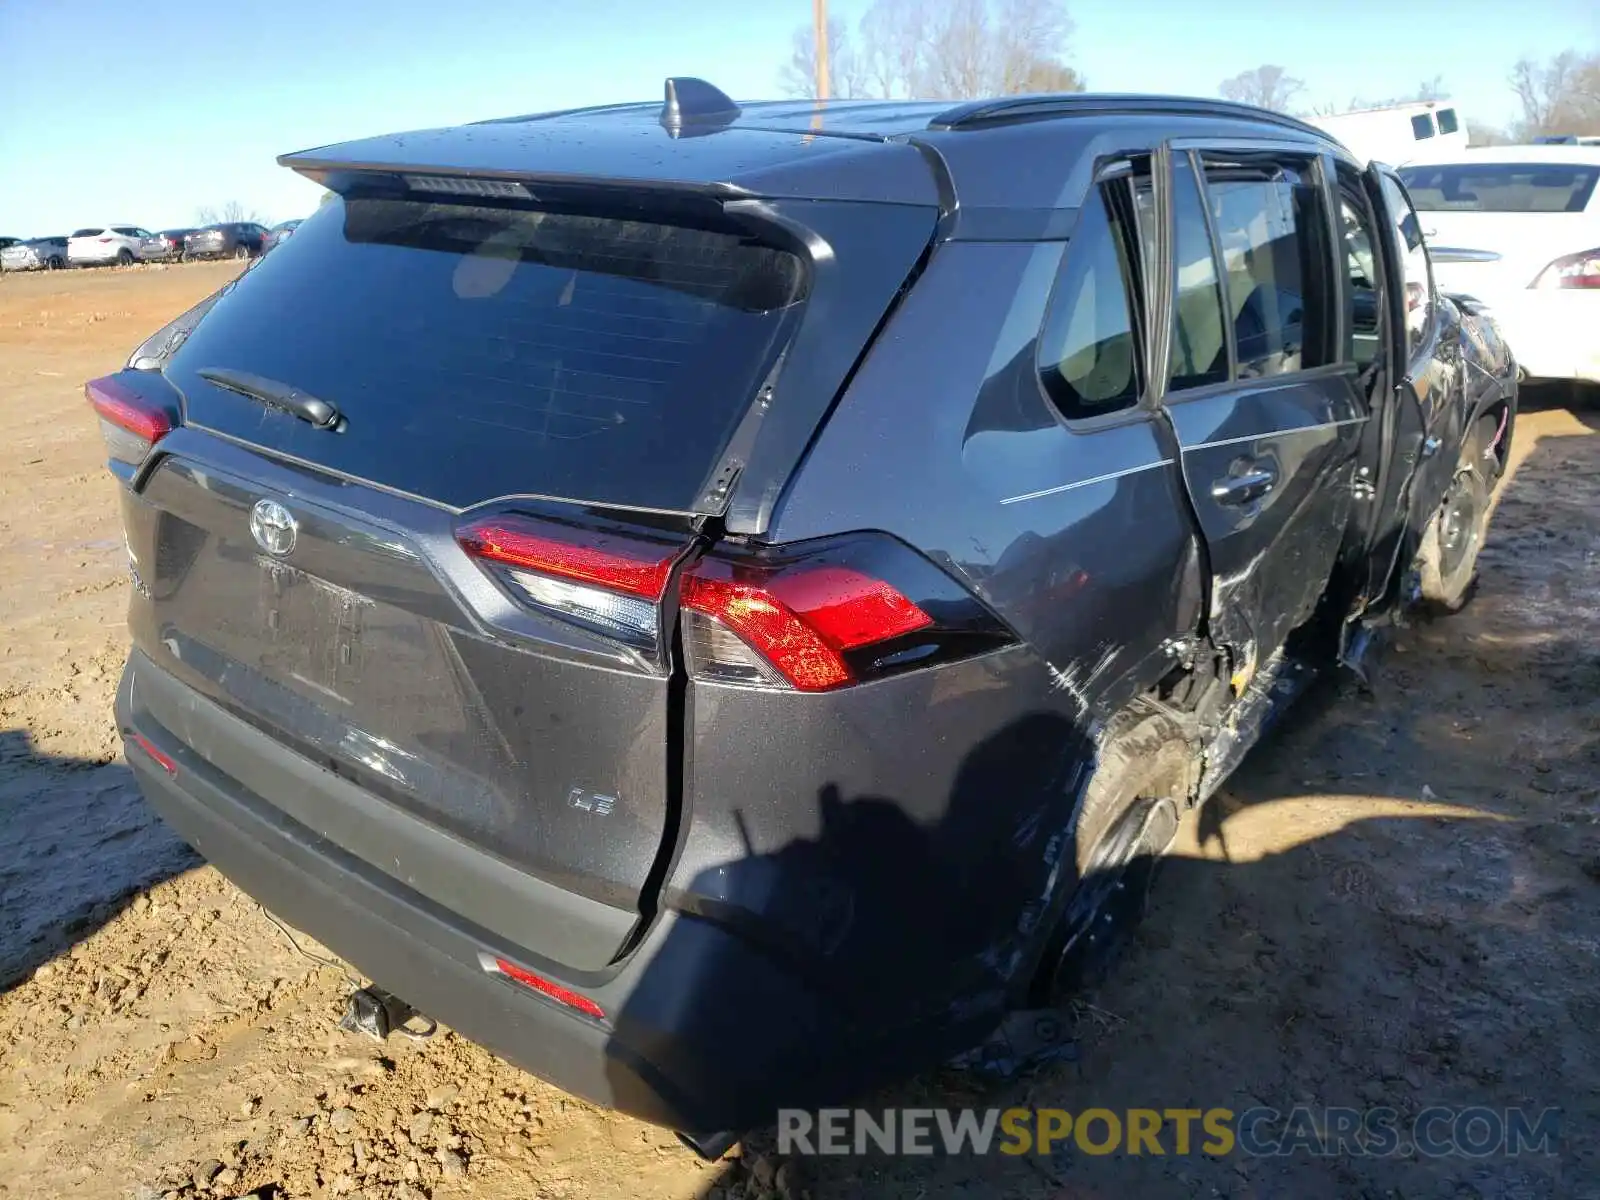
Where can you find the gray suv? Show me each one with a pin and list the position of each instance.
(720, 604)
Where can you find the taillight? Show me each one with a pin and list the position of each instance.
(808, 617)
(103, 240)
(605, 580)
(1572, 271)
(823, 615)
(131, 421)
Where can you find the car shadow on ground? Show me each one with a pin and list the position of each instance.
(1399, 961)
(1392, 905)
(77, 842)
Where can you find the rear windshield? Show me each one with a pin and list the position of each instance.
(87, 232)
(480, 351)
(1501, 187)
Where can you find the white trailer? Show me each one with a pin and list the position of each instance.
(1399, 133)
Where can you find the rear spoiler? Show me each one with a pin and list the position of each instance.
(664, 151)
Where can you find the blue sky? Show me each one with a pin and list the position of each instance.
(191, 99)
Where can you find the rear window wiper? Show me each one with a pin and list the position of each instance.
(275, 395)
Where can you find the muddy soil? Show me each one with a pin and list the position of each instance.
(1394, 903)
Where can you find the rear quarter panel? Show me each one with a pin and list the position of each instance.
(909, 835)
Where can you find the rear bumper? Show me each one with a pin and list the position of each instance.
(93, 258)
(702, 1032)
(209, 251)
(1555, 334)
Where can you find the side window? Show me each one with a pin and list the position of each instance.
(1270, 228)
(1199, 345)
(1414, 266)
(1088, 350)
(1447, 120)
(1363, 322)
(1422, 127)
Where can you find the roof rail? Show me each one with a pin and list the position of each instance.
(1004, 110)
(691, 101)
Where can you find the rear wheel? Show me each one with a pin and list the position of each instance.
(54, 263)
(1447, 562)
(124, 257)
(1127, 822)
(241, 251)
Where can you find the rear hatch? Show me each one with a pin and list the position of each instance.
(437, 458)
(89, 243)
(1492, 228)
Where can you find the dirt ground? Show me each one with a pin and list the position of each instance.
(1393, 903)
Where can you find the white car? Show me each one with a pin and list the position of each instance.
(1518, 227)
(102, 244)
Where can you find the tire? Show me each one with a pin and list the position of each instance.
(1447, 560)
(54, 263)
(1126, 822)
(124, 257)
(241, 251)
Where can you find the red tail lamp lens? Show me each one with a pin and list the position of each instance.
(130, 421)
(848, 609)
(801, 620)
(127, 410)
(635, 569)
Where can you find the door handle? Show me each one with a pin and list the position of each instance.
(1245, 487)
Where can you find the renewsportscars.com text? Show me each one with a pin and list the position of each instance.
(1380, 1132)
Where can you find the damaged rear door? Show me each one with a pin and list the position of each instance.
(1267, 417)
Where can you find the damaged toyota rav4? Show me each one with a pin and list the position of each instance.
(716, 603)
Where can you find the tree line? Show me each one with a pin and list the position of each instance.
(1558, 95)
(231, 213)
(966, 49)
(955, 48)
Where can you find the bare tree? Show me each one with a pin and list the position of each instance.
(960, 49)
(895, 36)
(1480, 134)
(1431, 89)
(230, 213)
(1558, 96)
(846, 78)
(1266, 86)
(1031, 37)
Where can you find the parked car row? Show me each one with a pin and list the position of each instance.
(124, 245)
(33, 254)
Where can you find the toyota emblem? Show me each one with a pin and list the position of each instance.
(273, 526)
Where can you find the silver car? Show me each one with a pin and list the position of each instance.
(35, 254)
